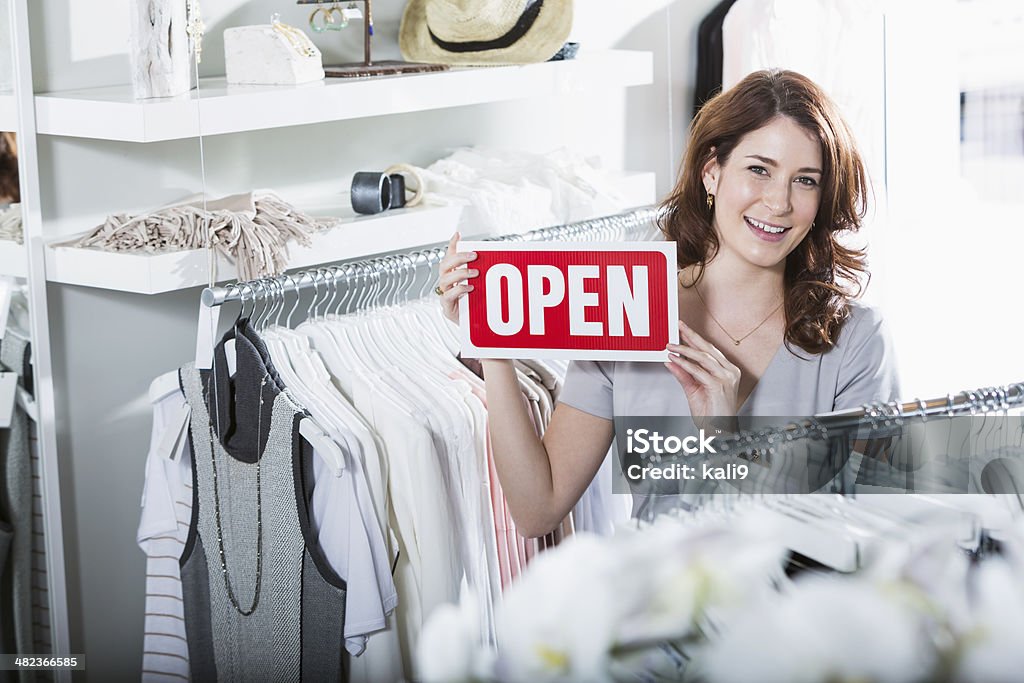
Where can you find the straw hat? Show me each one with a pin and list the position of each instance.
(484, 32)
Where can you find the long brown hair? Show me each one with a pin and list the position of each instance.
(10, 190)
(822, 276)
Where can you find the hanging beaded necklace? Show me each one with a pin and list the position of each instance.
(259, 506)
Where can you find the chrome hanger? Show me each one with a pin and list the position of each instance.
(337, 275)
(344, 305)
(279, 281)
(264, 299)
(314, 281)
(295, 306)
(243, 288)
(278, 307)
(328, 284)
(272, 295)
(363, 274)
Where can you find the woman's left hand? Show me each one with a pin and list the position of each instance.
(711, 382)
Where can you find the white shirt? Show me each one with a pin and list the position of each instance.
(166, 513)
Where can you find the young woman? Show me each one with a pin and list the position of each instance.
(768, 326)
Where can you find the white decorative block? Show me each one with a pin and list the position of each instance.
(161, 60)
(268, 55)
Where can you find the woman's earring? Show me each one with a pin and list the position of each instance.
(322, 25)
(338, 18)
(711, 201)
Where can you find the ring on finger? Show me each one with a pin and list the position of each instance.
(438, 291)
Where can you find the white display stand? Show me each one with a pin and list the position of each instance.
(159, 48)
(262, 55)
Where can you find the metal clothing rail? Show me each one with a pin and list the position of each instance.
(879, 415)
(608, 228)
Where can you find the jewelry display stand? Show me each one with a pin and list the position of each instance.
(368, 68)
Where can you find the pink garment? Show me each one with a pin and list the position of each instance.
(506, 550)
(513, 542)
(504, 528)
(514, 551)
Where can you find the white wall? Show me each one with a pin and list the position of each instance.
(6, 49)
(108, 345)
(952, 256)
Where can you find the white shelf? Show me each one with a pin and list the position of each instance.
(8, 112)
(353, 238)
(13, 259)
(113, 114)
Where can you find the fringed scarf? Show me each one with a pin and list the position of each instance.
(254, 239)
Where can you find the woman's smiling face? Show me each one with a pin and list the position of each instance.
(767, 193)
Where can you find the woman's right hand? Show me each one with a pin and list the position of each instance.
(453, 280)
(710, 380)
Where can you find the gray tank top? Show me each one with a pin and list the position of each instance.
(296, 630)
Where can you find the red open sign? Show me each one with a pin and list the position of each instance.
(581, 301)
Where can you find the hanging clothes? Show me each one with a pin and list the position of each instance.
(163, 530)
(709, 55)
(417, 519)
(16, 518)
(350, 535)
(251, 570)
(6, 541)
(353, 530)
(166, 513)
(430, 412)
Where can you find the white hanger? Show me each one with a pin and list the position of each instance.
(307, 369)
(27, 403)
(164, 385)
(430, 313)
(380, 330)
(335, 397)
(323, 445)
(413, 339)
(309, 428)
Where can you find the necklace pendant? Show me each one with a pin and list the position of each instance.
(737, 342)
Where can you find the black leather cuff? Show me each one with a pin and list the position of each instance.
(371, 192)
(397, 190)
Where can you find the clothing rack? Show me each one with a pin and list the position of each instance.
(879, 416)
(405, 264)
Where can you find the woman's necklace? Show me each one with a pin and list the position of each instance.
(296, 39)
(259, 515)
(735, 341)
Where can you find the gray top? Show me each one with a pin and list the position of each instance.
(859, 369)
(296, 629)
(16, 497)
